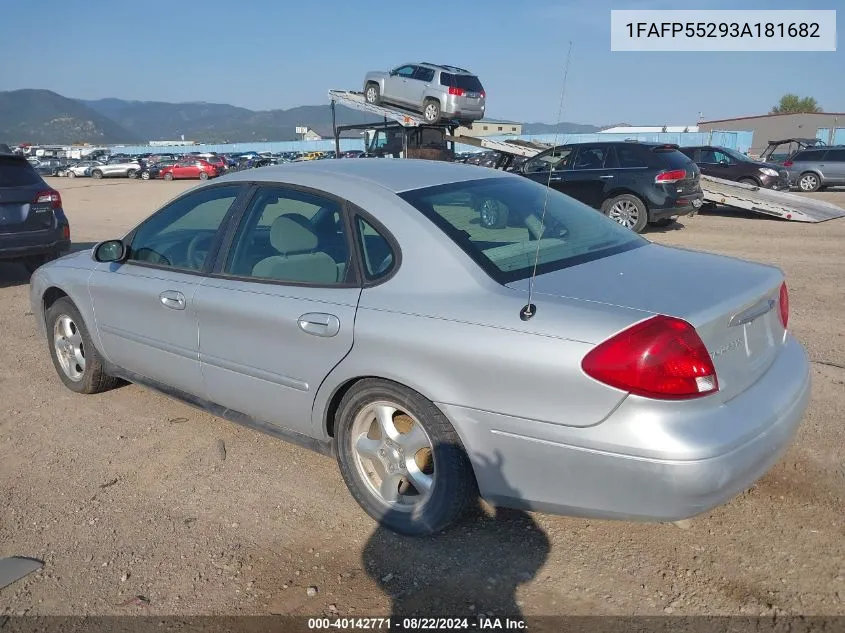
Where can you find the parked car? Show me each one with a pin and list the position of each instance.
(728, 164)
(151, 171)
(637, 381)
(437, 91)
(81, 168)
(191, 167)
(631, 183)
(50, 166)
(780, 151)
(117, 167)
(33, 226)
(817, 168)
(219, 163)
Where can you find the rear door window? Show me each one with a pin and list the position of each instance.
(630, 156)
(424, 74)
(17, 172)
(808, 156)
(835, 155)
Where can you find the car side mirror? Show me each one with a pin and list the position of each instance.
(110, 251)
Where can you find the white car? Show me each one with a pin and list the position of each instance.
(82, 168)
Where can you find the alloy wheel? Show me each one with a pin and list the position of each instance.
(70, 349)
(625, 213)
(393, 455)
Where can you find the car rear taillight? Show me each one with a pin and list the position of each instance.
(458, 92)
(662, 357)
(66, 232)
(668, 177)
(788, 163)
(784, 305)
(483, 94)
(49, 196)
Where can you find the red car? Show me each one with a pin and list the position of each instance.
(190, 168)
(218, 162)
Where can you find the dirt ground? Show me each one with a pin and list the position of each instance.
(131, 494)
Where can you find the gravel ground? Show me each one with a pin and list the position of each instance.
(129, 494)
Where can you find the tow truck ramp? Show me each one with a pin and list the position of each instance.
(781, 204)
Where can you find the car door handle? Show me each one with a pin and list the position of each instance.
(319, 324)
(607, 177)
(172, 299)
(555, 178)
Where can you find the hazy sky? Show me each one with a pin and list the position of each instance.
(265, 54)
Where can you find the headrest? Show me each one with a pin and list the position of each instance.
(289, 236)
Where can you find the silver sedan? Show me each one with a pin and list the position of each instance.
(558, 363)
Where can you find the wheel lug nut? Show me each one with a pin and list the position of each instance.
(381, 452)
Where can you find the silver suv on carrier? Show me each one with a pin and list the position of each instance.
(437, 91)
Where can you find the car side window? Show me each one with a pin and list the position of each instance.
(835, 155)
(377, 253)
(424, 74)
(715, 157)
(291, 236)
(557, 159)
(590, 158)
(630, 156)
(406, 71)
(181, 234)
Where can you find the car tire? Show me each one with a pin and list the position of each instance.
(96, 174)
(132, 173)
(66, 331)
(203, 175)
(749, 181)
(492, 214)
(145, 175)
(452, 488)
(431, 110)
(809, 182)
(71, 173)
(372, 94)
(628, 210)
(168, 176)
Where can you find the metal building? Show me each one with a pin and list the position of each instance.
(827, 126)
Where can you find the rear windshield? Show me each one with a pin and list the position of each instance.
(17, 172)
(569, 233)
(467, 82)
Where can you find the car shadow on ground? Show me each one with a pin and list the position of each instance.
(14, 274)
(471, 569)
(724, 211)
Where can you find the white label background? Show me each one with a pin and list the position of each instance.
(620, 39)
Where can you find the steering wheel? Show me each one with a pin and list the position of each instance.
(196, 255)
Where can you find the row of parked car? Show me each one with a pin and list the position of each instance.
(172, 166)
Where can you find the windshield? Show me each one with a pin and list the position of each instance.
(500, 224)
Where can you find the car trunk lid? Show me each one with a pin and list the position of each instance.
(733, 305)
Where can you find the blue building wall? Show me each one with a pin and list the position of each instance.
(738, 140)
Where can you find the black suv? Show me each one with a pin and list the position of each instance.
(631, 182)
(728, 164)
(33, 226)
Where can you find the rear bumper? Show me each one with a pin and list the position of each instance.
(679, 461)
(20, 245)
(688, 205)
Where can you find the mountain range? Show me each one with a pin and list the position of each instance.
(42, 116)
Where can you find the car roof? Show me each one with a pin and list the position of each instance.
(395, 175)
(452, 69)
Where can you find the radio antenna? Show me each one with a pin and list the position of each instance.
(530, 309)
